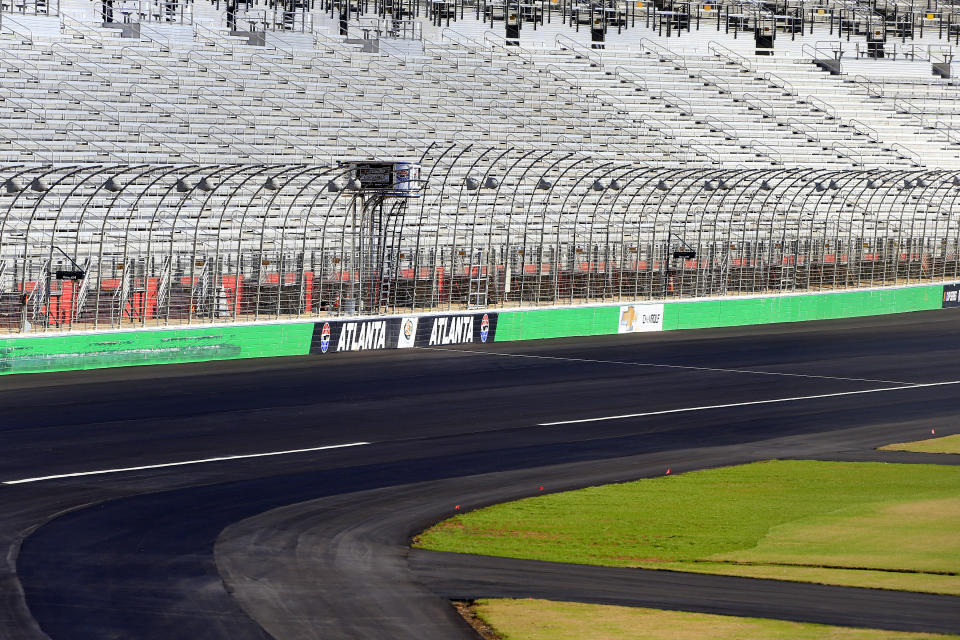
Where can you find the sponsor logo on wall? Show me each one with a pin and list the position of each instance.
(362, 336)
(636, 318)
(325, 337)
(408, 332)
(451, 330)
(436, 331)
(339, 336)
(951, 295)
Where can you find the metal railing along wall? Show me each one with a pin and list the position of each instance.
(115, 245)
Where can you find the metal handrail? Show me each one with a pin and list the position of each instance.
(771, 153)
(729, 55)
(868, 85)
(70, 23)
(861, 127)
(820, 105)
(41, 115)
(27, 33)
(630, 76)
(446, 32)
(780, 83)
(115, 119)
(90, 140)
(159, 133)
(238, 141)
(308, 150)
(669, 97)
(844, 150)
(665, 54)
(241, 112)
(212, 38)
(909, 154)
(35, 75)
(69, 60)
(160, 40)
(701, 149)
(592, 55)
(183, 123)
(760, 104)
(802, 128)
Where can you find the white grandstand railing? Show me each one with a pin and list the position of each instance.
(160, 138)
(69, 59)
(952, 133)
(235, 143)
(729, 55)
(91, 139)
(210, 37)
(762, 149)
(907, 154)
(34, 75)
(759, 103)
(11, 26)
(80, 30)
(96, 105)
(873, 89)
(665, 55)
(810, 132)
(820, 105)
(780, 83)
(854, 153)
(593, 55)
(448, 33)
(155, 36)
(627, 76)
(862, 128)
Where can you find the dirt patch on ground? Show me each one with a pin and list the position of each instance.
(468, 609)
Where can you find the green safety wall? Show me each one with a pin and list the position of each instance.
(120, 349)
(824, 306)
(730, 312)
(557, 323)
(117, 349)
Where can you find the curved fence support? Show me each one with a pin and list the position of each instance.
(102, 247)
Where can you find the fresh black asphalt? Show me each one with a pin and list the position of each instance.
(316, 544)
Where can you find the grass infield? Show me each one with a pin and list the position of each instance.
(946, 444)
(858, 524)
(545, 620)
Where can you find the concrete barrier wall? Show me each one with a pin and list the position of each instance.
(66, 352)
(129, 348)
(724, 312)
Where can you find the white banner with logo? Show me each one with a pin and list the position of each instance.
(408, 332)
(636, 318)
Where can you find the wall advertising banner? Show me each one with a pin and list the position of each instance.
(408, 332)
(336, 336)
(636, 318)
(951, 295)
(457, 329)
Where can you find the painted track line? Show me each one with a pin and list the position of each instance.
(746, 404)
(667, 366)
(185, 462)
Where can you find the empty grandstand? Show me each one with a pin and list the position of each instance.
(170, 162)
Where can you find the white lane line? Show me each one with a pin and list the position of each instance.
(668, 366)
(745, 404)
(185, 462)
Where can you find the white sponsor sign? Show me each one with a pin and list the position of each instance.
(635, 318)
(408, 332)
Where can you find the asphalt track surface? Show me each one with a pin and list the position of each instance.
(316, 544)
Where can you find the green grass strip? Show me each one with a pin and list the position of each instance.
(862, 524)
(545, 620)
(946, 444)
